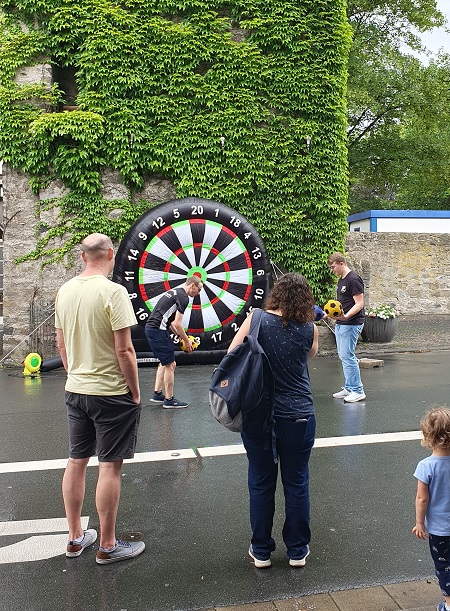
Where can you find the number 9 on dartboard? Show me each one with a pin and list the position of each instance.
(196, 236)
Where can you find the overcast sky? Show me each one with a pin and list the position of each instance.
(438, 38)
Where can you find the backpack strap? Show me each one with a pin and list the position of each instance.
(269, 429)
(255, 322)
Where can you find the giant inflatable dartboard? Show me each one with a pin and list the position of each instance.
(195, 236)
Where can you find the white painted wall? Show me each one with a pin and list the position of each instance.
(405, 225)
(363, 225)
(414, 225)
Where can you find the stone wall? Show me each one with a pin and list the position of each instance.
(28, 285)
(407, 270)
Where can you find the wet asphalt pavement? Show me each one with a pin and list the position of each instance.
(193, 511)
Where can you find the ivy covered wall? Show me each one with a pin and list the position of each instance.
(241, 101)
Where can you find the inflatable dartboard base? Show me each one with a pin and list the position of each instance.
(140, 343)
(147, 359)
(52, 363)
(195, 236)
(203, 357)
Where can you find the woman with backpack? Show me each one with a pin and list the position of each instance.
(288, 337)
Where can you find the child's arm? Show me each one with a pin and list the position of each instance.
(421, 508)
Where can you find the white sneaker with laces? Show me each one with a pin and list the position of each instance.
(259, 564)
(299, 562)
(123, 550)
(77, 547)
(354, 397)
(341, 394)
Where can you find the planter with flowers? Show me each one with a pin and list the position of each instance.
(380, 324)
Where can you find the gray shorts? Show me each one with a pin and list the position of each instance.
(102, 425)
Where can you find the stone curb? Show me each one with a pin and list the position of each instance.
(423, 595)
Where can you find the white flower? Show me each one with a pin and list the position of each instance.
(383, 311)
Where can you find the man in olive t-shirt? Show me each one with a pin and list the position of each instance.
(93, 317)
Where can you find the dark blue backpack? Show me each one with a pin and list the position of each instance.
(242, 386)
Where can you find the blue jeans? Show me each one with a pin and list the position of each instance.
(346, 338)
(294, 441)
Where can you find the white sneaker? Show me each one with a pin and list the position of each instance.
(353, 397)
(77, 547)
(341, 394)
(260, 564)
(301, 562)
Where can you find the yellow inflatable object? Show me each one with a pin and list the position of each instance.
(194, 342)
(32, 363)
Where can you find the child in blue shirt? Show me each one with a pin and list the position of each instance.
(433, 496)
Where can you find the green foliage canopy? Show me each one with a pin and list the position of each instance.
(398, 107)
(218, 98)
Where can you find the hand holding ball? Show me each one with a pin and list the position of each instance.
(333, 308)
(194, 343)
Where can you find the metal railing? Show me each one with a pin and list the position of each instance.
(42, 338)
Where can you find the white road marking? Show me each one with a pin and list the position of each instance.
(60, 463)
(38, 547)
(228, 450)
(358, 440)
(163, 455)
(46, 525)
(323, 442)
(34, 548)
(221, 450)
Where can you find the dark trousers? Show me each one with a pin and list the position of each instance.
(440, 552)
(294, 441)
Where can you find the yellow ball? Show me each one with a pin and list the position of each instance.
(194, 343)
(333, 308)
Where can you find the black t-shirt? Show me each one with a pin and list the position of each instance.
(351, 285)
(164, 312)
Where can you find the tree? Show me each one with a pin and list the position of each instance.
(391, 94)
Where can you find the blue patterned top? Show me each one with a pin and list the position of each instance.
(287, 349)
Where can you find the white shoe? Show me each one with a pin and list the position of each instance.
(341, 394)
(77, 547)
(260, 564)
(353, 397)
(301, 562)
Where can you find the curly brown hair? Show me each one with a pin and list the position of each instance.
(435, 427)
(292, 296)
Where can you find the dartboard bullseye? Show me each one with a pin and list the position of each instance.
(195, 236)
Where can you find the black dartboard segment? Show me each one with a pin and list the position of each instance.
(195, 236)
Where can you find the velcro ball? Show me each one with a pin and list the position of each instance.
(333, 308)
(194, 342)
